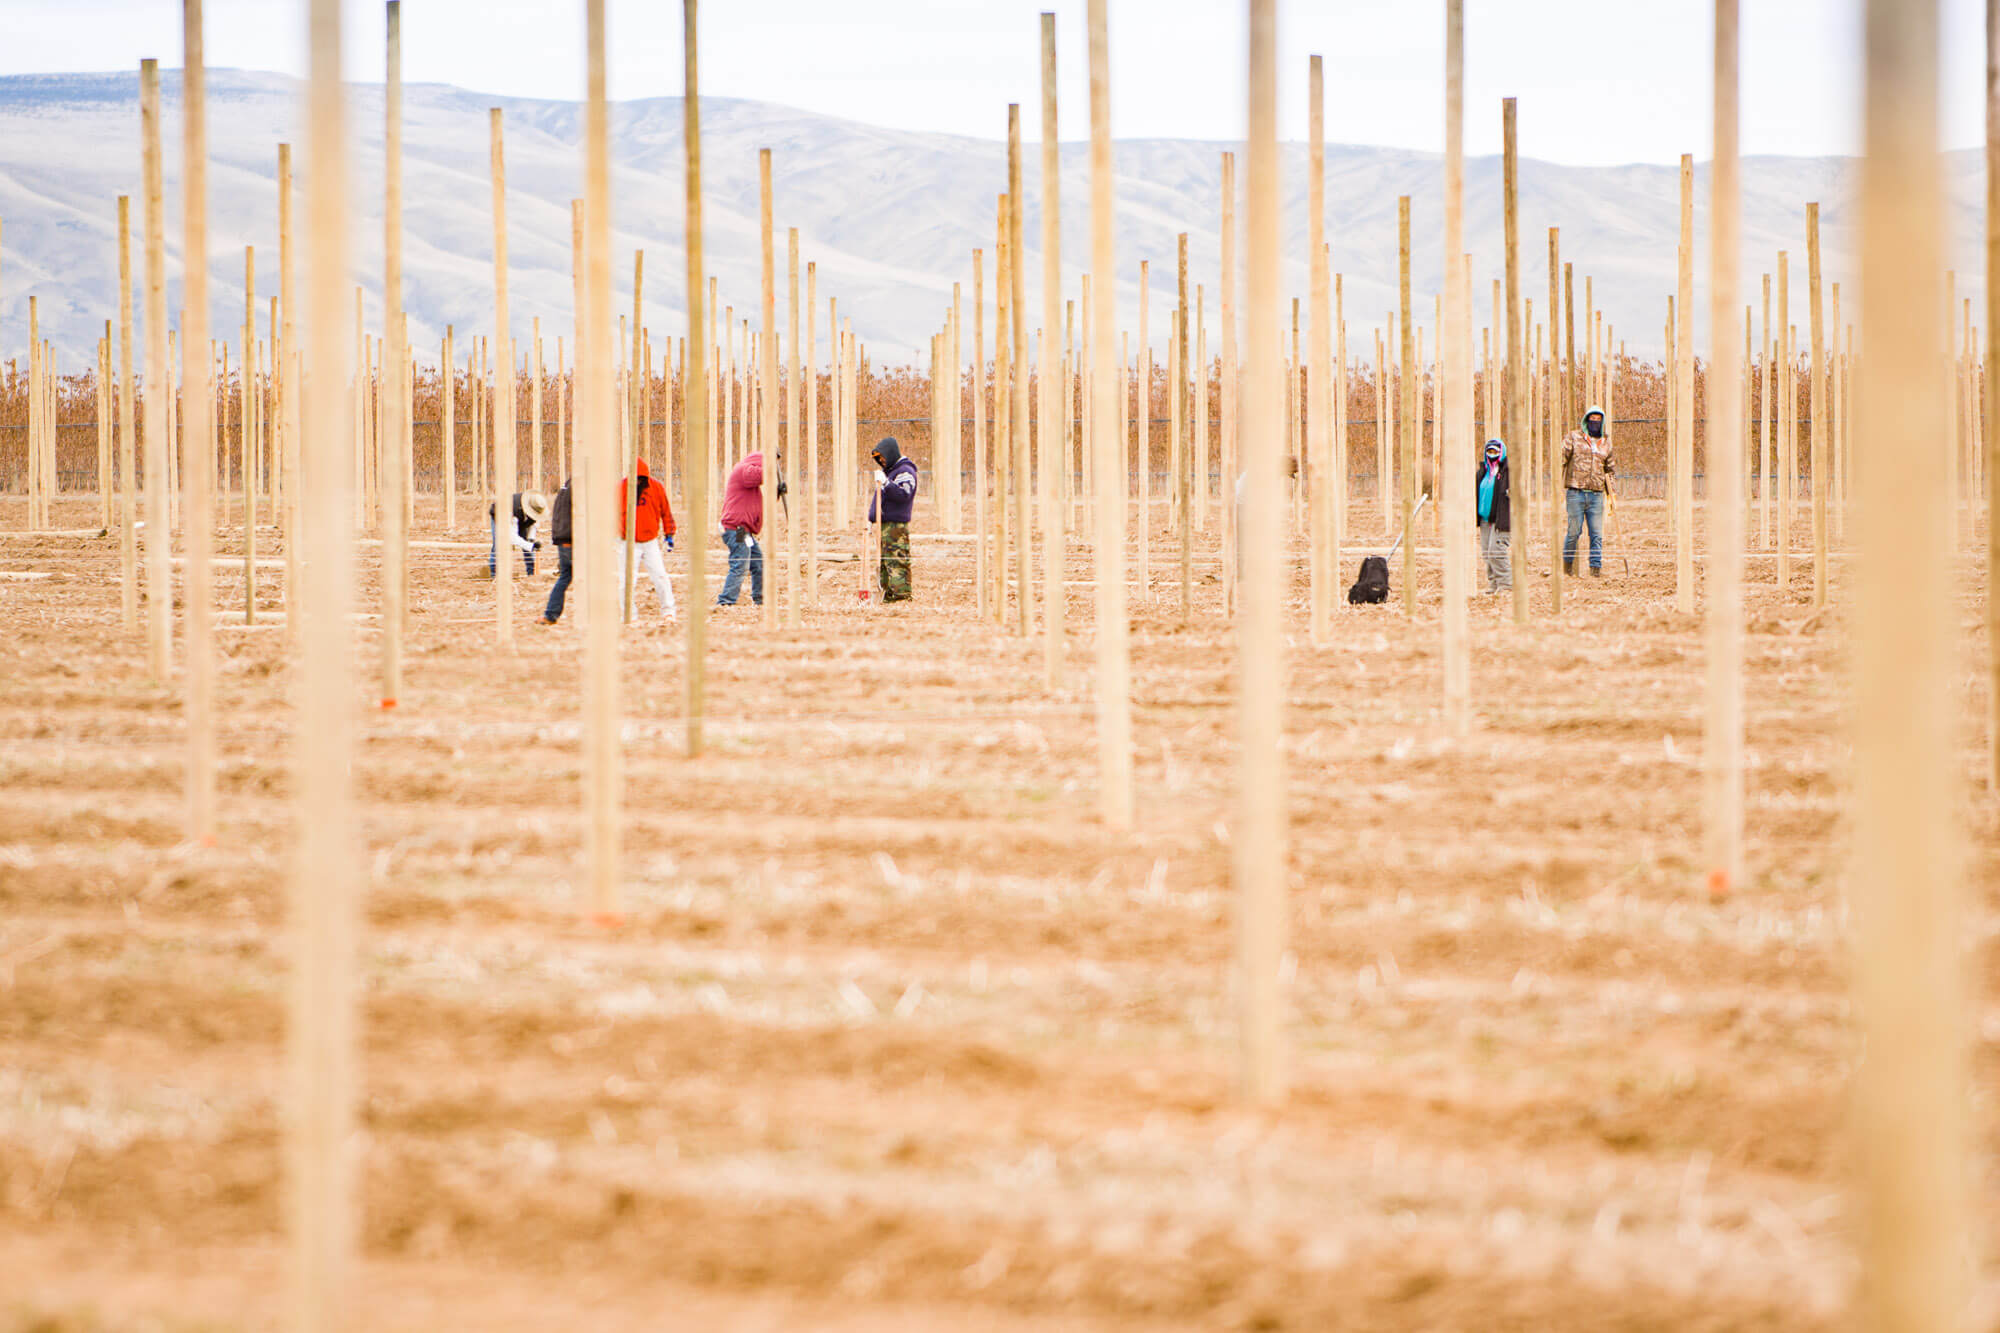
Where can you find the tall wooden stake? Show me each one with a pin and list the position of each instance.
(1053, 451)
(1455, 355)
(128, 550)
(979, 383)
(1319, 444)
(1683, 490)
(1114, 702)
(396, 464)
(1558, 426)
(1259, 840)
(1017, 305)
(199, 517)
(1992, 384)
(1722, 746)
(596, 406)
(327, 850)
(694, 467)
(503, 397)
(1910, 1091)
(767, 370)
(793, 420)
(1409, 407)
(1821, 454)
(1516, 397)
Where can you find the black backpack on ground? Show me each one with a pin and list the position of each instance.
(1373, 585)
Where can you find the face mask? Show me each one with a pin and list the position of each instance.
(1595, 427)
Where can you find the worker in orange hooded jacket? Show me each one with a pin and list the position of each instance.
(655, 524)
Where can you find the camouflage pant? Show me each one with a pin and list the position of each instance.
(895, 570)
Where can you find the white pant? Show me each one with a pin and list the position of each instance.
(654, 563)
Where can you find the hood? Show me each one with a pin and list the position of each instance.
(1490, 445)
(890, 452)
(642, 470)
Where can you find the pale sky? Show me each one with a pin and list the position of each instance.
(1600, 81)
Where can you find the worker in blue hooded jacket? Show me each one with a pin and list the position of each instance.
(1495, 516)
(896, 492)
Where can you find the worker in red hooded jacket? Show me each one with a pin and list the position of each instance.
(655, 524)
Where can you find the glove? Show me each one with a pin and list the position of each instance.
(670, 541)
(881, 477)
(782, 488)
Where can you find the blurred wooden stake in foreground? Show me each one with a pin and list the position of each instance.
(1722, 747)
(1114, 703)
(1258, 840)
(1909, 1091)
(326, 856)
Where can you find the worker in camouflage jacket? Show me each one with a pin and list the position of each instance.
(1587, 473)
(896, 492)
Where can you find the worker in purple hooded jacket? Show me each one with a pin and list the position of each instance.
(896, 493)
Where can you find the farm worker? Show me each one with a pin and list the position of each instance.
(742, 520)
(559, 532)
(896, 489)
(1495, 492)
(529, 506)
(655, 523)
(1587, 472)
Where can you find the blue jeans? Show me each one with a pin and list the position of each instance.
(744, 549)
(492, 550)
(565, 571)
(1585, 507)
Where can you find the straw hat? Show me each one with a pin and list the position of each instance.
(535, 505)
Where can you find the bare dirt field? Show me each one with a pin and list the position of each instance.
(894, 1035)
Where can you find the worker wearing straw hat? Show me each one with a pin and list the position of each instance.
(529, 507)
(1587, 472)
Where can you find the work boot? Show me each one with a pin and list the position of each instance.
(1597, 571)
(1569, 567)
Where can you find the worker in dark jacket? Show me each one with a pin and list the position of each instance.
(560, 533)
(896, 492)
(1495, 498)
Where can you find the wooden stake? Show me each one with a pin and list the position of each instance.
(1821, 462)
(1683, 491)
(695, 411)
(1787, 410)
(1455, 351)
(1992, 416)
(1053, 450)
(1557, 402)
(792, 422)
(1909, 1094)
(128, 550)
(596, 405)
(767, 371)
(1259, 841)
(1114, 703)
(979, 382)
(249, 419)
(1722, 744)
(159, 386)
(1144, 408)
(395, 430)
(198, 518)
(503, 397)
(1183, 478)
(1319, 443)
(1017, 305)
(1231, 536)
(1409, 408)
(628, 464)
(811, 465)
(1516, 397)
